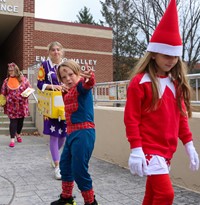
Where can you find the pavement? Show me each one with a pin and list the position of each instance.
(27, 178)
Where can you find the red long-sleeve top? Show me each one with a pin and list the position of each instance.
(157, 131)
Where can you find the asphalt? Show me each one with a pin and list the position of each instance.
(26, 178)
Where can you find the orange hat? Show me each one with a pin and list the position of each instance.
(166, 37)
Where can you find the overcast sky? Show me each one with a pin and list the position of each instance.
(66, 10)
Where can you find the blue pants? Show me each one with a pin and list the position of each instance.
(75, 158)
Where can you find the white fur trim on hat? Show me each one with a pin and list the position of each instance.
(165, 49)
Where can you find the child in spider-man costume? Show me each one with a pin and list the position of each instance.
(78, 100)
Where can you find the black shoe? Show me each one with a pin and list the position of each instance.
(94, 203)
(64, 201)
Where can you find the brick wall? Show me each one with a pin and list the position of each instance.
(18, 47)
(26, 42)
(90, 47)
(29, 6)
(28, 33)
(79, 46)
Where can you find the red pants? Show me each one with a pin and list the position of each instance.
(159, 190)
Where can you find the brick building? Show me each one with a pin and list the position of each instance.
(24, 40)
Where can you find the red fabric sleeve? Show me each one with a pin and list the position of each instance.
(132, 114)
(185, 134)
(90, 83)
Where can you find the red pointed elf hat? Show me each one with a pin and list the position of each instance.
(166, 37)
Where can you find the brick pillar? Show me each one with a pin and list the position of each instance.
(28, 33)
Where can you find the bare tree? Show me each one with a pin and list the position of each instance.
(126, 45)
(190, 22)
(134, 21)
(149, 12)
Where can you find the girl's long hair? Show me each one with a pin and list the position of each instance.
(178, 76)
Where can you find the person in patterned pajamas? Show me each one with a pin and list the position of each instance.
(16, 105)
(80, 140)
(157, 110)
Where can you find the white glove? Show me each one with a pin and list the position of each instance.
(137, 162)
(193, 156)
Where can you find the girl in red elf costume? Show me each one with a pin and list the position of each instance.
(157, 111)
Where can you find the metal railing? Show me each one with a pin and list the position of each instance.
(194, 80)
(115, 92)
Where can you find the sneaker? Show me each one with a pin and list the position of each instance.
(94, 203)
(12, 144)
(57, 173)
(19, 139)
(64, 201)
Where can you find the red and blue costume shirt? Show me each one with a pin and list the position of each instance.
(79, 111)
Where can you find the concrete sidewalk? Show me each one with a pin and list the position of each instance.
(26, 178)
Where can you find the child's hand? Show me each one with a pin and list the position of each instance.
(56, 87)
(65, 89)
(86, 73)
(137, 162)
(193, 156)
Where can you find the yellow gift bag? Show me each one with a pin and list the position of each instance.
(2, 100)
(50, 104)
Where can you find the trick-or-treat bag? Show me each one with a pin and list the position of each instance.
(2, 100)
(50, 104)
